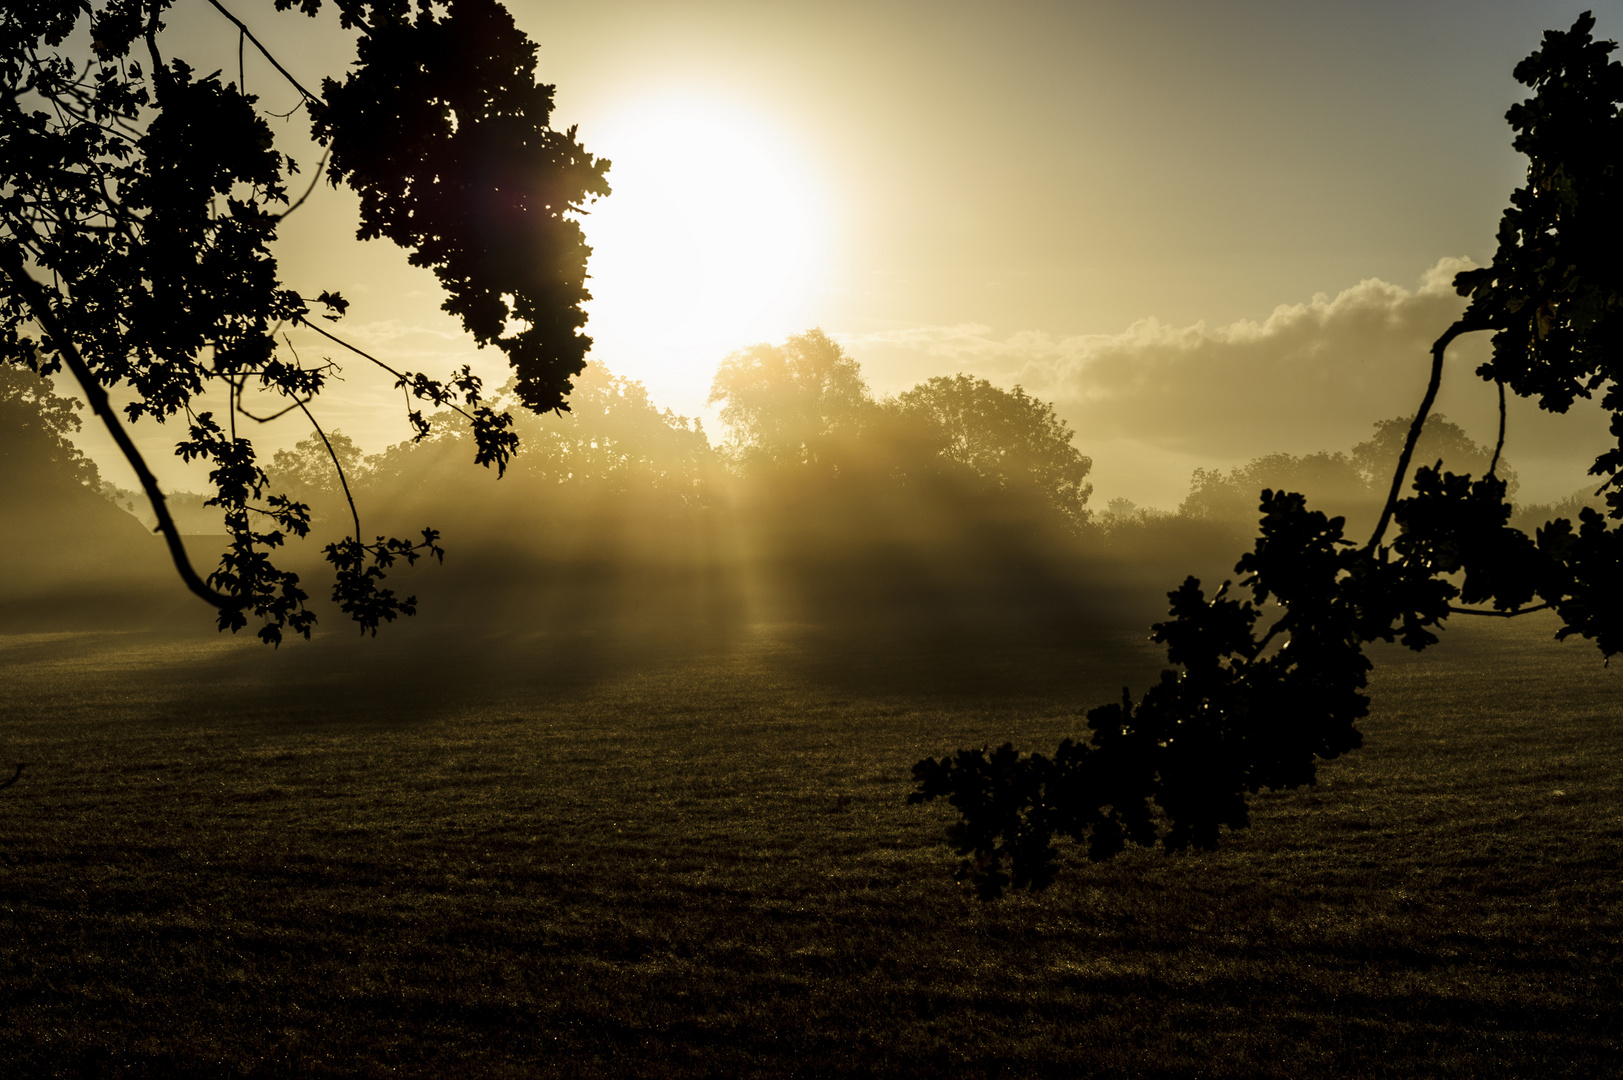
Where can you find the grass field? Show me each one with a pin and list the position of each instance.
(574, 857)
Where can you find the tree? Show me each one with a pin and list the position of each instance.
(139, 202)
(1006, 437)
(69, 541)
(613, 440)
(1356, 483)
(616, 440)
(1441, 440)
(1218, 496)
(34, 427)
(318, 472)
(790, 404)
(1269, 675)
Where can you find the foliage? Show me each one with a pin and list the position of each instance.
(310, 471)
(1355, 484)
(443, 131)
(150, 196)
(34, 431)
(1441, 441)
(790, 404)
(1006, 437)
(1552, 293)
(612, 441)
(1269, 677)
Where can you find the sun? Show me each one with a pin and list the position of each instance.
(715, 237)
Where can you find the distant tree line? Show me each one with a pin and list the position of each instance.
(817, 479)
(803, 405)
(835, 488)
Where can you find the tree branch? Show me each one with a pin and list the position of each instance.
(1496, 614)
(1498, 447)
(1437, 349)
(405, 378)
(309, 190)
(354, 515)
(33, 294)
(242, 28)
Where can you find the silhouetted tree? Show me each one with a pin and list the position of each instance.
(63, 535)
(1529, 517)
(1006, 437)
(1441, 440)
(1269, 675)
(1215, 495)
(616, 439)
(139, 200)
(607, 515)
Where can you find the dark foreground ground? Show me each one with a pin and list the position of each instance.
(576, 856)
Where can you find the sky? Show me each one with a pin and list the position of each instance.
(1204, 231)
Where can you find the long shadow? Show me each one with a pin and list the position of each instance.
(411, 673)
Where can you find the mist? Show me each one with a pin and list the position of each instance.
(947, 519)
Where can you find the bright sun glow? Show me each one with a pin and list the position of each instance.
(713, 239)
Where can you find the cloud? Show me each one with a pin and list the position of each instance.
(1310, 375)
(1154, 401)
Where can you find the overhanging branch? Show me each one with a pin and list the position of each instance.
(1438, 348)
(33, 294)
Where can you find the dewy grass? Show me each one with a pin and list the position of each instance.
(576, 858)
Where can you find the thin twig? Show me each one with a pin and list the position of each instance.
(354, 515)
(307, 191)
(1496, 614)
(273, 416)
(249, 34)
(284, 115)
(357, 351)
(1499, 446)
(404, 379)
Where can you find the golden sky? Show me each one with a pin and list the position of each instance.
(1207, 231)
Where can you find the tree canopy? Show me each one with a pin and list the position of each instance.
(790, 404)
(1268, 674)
(1354, 483)
(805, 403)
(1007, 437)
(613, 441)
(35, 423)
(139, 202)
